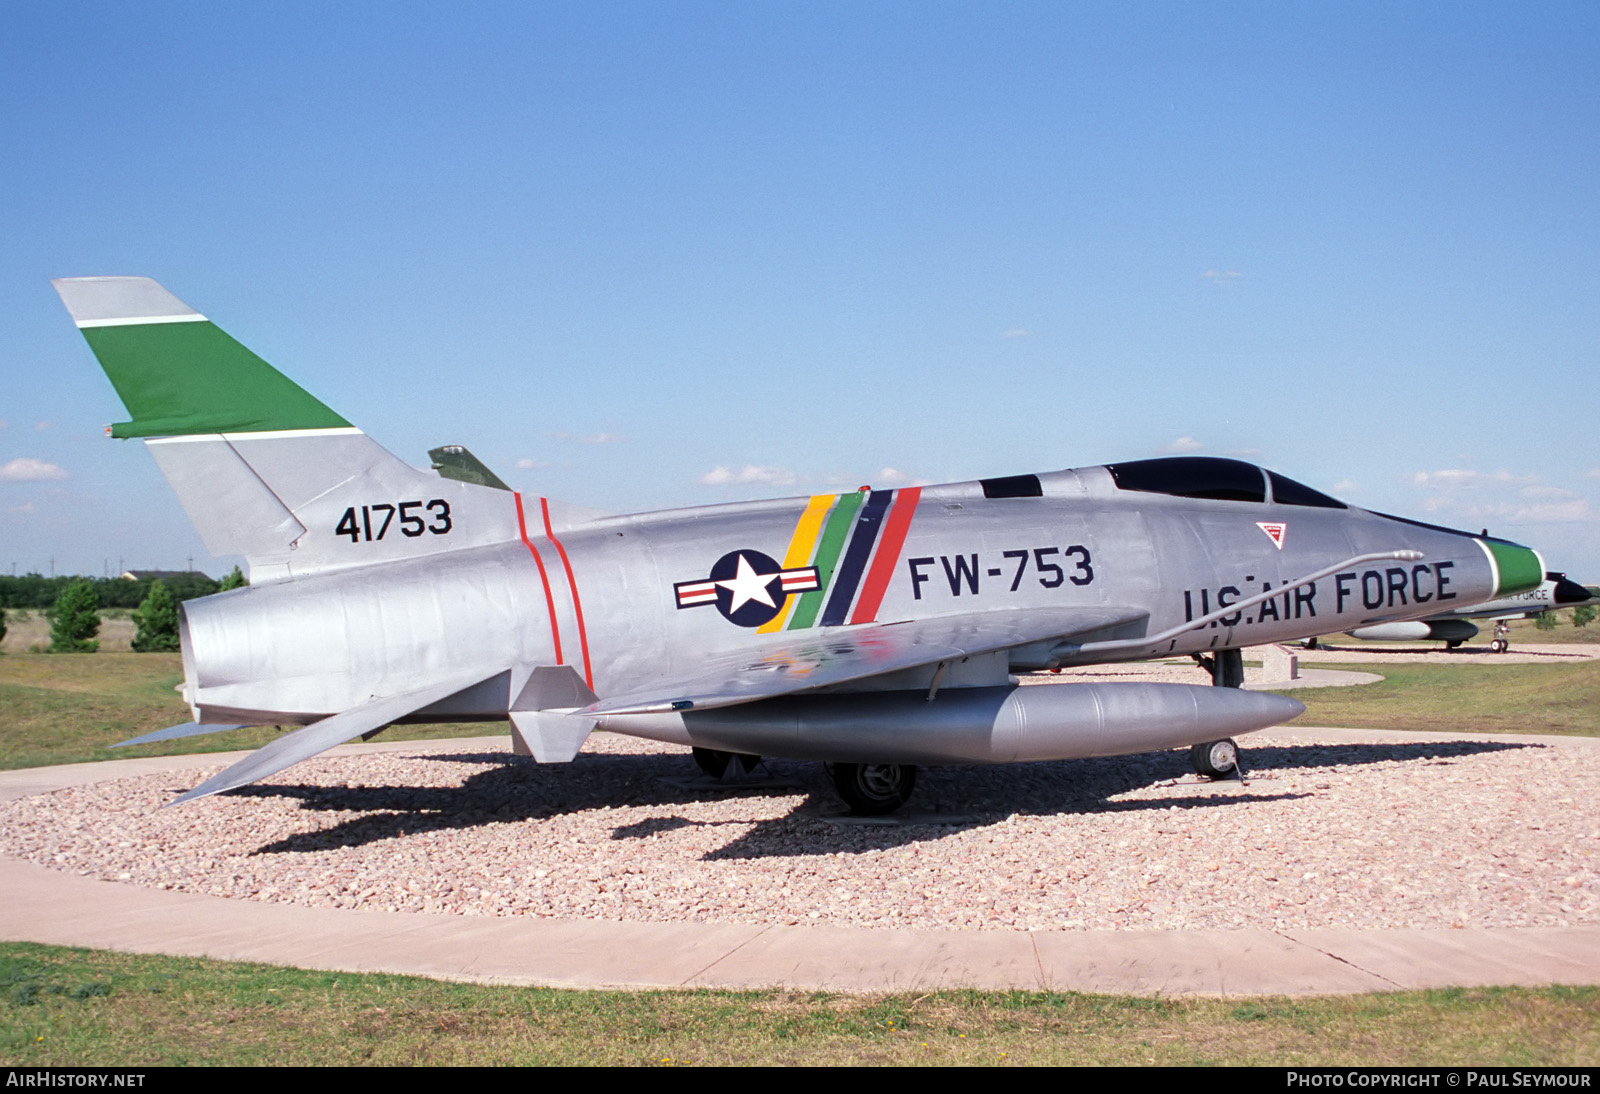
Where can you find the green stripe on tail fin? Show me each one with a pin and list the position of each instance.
(177, 372)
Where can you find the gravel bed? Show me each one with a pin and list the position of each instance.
(1324, 833)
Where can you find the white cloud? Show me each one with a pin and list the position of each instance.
(1565, 512)
(1485, 498)
(1460, 477)
(1014, 332)
(1456, 477)
(28, 469)
(533, 465)
(1592, 473)
(590, 438)
(40, 427)
(893, 476)
(1345, 486)
(1221, 277)
(1181, 444)
(1561, 512)
(749, 474)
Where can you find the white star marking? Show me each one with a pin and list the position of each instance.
(747, 585)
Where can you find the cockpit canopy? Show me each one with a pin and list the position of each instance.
(1217, 479)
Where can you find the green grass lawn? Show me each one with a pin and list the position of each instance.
(1467, 698)
(77, 1007)
(70, 707)
(1524, 632)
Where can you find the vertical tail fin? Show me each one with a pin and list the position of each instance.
(262, 467)
(178, 373)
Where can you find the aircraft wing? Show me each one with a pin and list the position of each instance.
(855, 653)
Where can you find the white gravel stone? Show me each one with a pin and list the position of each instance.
(1324, 833)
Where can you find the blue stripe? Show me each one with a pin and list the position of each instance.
(868, 524)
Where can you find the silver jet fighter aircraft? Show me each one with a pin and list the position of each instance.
(1453, 627)
(874, 630)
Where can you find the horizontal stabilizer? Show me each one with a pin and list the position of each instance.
(844, 654)
(317, 737)
(173, 733)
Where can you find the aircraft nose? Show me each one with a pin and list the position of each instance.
(1569, 592)
(1517, 568)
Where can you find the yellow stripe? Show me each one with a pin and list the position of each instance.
(801, 545)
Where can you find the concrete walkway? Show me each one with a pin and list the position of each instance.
(49, 906)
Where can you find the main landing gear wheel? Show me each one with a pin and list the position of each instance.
(714, 762)
(1215, 759)
(871, 790)
(1499, 645)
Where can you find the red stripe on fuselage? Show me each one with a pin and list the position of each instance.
(572, 583)
(895, 527)
(544, 578)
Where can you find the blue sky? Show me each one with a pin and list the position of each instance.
(641, 255)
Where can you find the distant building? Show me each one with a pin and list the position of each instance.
(165, 575)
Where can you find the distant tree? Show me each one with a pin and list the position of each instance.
(157, 620)
(118, 592)
(1545, 621)
(235, 580)
(31, 590)
(190, 585)
(1582, 616)
(2, 624)
(75, 619)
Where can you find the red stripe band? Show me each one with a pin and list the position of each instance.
(895, 527)
(572, 583)
(544, 578)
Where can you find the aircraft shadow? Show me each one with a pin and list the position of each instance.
(956, 798)
(948, 799)
(510, 789)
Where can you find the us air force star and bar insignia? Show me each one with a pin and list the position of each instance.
(747, 587)
(1274, 530)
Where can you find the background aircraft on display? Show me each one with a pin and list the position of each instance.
(874, 630)
(1453, 628)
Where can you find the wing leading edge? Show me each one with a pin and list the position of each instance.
(853, 654)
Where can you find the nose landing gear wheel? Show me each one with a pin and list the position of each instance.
(1215, 759)
(871, 790)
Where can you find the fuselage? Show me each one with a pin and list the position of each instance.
(1143, 546)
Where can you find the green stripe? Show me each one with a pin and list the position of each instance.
(182, 378)
(1519, 567)
(834, 533)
